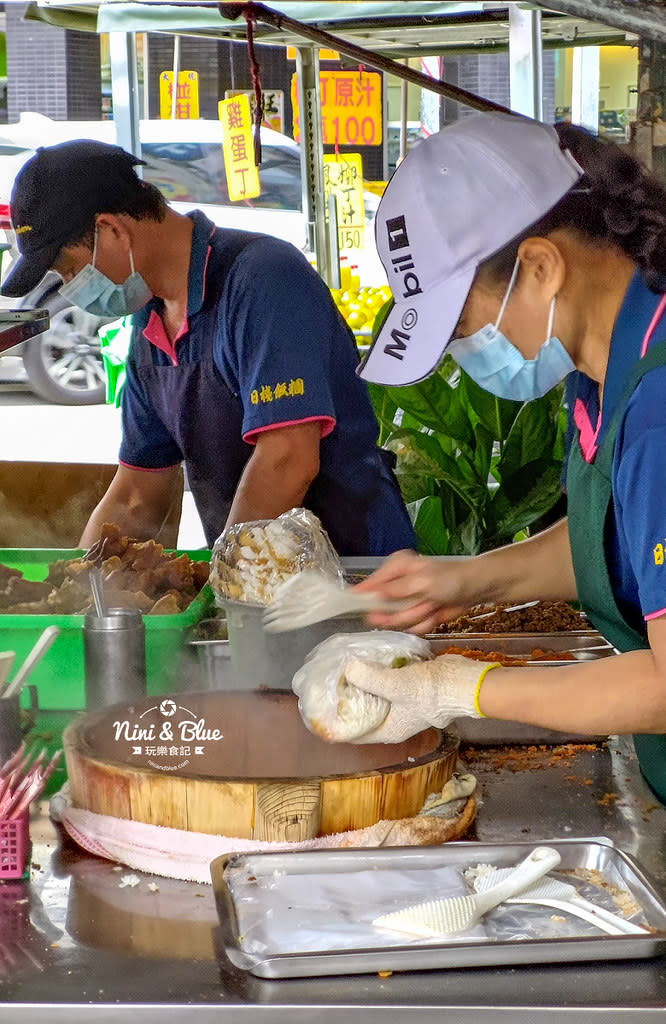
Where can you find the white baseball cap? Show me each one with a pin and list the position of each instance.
(458, 197)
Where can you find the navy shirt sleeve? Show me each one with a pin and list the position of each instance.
(639, 487)
(146, 443)
(274, 340)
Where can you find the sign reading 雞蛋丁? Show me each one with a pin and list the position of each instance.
(240, 168)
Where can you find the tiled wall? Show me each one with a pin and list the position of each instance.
(84, 80)
(487, 75)
(49, 70)
(200, 55)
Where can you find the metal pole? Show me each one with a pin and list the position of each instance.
(312, 153)
(125, 91)
(645, 104)
(333, 247)
(385, 138)
(585, 88)
(404, 86)
(176, 69)
(525, 62)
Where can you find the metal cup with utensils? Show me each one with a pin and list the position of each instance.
(114, 651)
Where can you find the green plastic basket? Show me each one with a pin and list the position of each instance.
(59, 676)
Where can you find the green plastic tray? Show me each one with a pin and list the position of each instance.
(59, 676)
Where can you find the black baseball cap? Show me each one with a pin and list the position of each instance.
(56, 194)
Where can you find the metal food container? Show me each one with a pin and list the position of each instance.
(248, 658)
(256, 659)
(251, 659)
(584, 645)
(581, 645)
(288, 915)
(212, 665)
(260, 659)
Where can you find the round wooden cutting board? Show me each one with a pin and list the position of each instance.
(244, 765)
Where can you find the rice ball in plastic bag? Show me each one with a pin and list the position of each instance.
(336, 710)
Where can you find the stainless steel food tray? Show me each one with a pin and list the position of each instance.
(584, 645)
(288, 915)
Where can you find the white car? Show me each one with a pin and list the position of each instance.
(184, 159)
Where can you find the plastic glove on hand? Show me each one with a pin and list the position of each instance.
(427, 693)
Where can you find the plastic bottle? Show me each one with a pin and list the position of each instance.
(354, 278)
(345, 274)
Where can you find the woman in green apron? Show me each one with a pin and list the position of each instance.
(532, 254)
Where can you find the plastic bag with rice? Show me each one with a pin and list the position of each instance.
(332, 708)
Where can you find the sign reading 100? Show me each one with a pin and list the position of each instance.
(351, 108)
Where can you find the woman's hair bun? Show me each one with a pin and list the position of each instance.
(617, 201)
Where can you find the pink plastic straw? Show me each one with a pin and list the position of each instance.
(22, 779)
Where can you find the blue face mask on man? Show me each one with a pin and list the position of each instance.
(498, 367)
(94, 292)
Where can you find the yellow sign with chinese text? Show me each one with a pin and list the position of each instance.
(351, 108)
(343, 178)
(238, 147)
(273, 100)
(323, 54)
(187, 95)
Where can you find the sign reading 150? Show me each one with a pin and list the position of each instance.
(350, 238)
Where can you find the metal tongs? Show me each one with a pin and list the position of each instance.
(310, 597)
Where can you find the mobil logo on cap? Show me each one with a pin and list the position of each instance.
(403, 262)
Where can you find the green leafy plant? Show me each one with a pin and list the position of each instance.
(475, 471)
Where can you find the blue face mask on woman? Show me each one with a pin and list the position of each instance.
(94, 292)
(498, 367)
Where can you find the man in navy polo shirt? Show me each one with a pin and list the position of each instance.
(240, 366)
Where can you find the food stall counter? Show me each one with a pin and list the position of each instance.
(86, 940)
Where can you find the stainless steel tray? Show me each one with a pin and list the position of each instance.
(17, 325)
(584, 645)
(288, 915)
(493, 732)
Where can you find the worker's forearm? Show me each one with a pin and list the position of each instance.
(268, 488)
(621, 694)
(138, 502)
(540, 567)
(127, 518)
(107, 511)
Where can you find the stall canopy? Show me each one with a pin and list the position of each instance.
(375, 34)
(396, 30)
